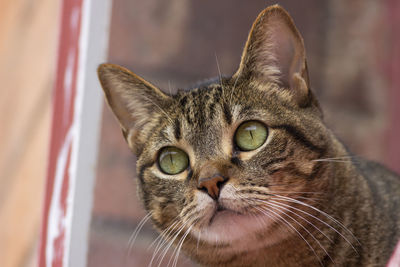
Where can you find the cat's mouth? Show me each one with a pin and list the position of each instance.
(223, 213)
(229, 219)
(224, 225)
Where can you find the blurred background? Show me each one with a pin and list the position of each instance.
(353, 50)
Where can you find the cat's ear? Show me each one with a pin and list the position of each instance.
(274, 52)
(132, 99)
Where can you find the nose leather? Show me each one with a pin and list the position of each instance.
(212, 177)
(212, 185)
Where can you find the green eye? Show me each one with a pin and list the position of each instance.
(250, 135)
(172, 160)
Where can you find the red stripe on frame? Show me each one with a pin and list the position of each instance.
(63, 111)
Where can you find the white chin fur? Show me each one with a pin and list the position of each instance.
(228, 226)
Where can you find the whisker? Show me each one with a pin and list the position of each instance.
(264, 192)
(313, 199)
(294, 184)
(334, 160)
(292, 227)
(234, 86)
(326, 215)
(169, 87)
(219, 70)
(277, 207)
(264, 213)
(175, 249)
(288, 209)
(301, 196)
(163, 233)
(170, 244)
(162, 241)
(162, 110)
(342, 157)
(279, 192)
(135, 233)
(169, 237)
(296, 192)
(198, 241)
(179, 246)
(172, 241)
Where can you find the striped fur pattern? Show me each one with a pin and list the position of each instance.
(298, 200)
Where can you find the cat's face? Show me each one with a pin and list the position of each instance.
(209, 159)
(239, 141)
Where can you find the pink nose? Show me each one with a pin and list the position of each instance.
(212, 185)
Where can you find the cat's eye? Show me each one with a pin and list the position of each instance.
(172, 160)
(250, 135)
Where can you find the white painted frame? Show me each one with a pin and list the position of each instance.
(82, 138)
(93, 44)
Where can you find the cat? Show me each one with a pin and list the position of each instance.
(243, 171)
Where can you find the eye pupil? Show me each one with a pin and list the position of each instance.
(172, 160)
(250, 135)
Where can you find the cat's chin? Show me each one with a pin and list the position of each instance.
(221, 218)
(229, 226)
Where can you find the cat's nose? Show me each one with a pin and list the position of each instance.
(212, 185)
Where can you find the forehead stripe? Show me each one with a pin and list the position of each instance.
(177, 129)
(227, 113)
(296, 134)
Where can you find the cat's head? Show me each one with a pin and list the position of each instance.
(209, 159)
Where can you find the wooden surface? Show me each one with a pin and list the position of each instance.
(28, 38)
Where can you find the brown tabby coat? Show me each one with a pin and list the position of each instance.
(298, 200)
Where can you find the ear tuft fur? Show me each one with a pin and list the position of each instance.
(133, 100)
(274, 53)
